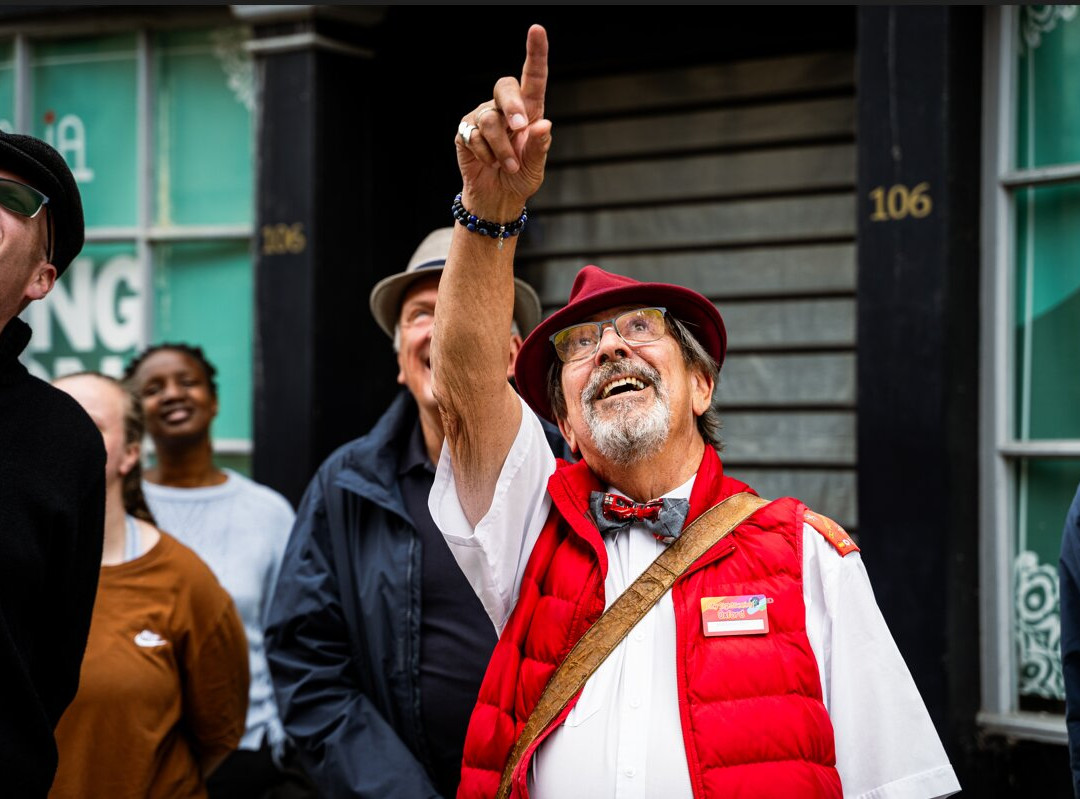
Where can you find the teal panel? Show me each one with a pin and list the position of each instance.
(85, 106)
(1044, 490)
(94, 316)
(203, 296)
(7, 87)
(1047, 388)
(204, 137)
(1048, 86)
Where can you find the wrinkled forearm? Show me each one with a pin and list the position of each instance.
(470, 351)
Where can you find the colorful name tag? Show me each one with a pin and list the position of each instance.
(735, 615)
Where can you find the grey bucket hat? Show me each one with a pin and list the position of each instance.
(429, 259)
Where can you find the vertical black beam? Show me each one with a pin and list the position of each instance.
(323, 372)
(919, 88)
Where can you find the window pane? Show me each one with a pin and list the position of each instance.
(93, 318)
(204, 130)
(1048, 86)
(7, 87)
(84, 105)
(1044, 491)
(203, 297)
(1048, 313)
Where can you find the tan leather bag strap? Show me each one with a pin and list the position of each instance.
(614, 625)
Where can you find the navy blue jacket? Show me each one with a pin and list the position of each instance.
(343, 627)
(1069, 573)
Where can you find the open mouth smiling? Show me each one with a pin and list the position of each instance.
(622, 385)
(176, 415)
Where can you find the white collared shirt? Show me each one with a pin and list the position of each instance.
(624, 737)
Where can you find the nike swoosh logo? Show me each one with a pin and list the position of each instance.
(149, 639)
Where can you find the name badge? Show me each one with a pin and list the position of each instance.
(735, 615)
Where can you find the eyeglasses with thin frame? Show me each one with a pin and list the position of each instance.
(27, 201)
(636, 327)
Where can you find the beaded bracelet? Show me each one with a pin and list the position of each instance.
(495, 230)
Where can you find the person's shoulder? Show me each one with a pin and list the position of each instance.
(193, 577)
(178, 556)
(831, 532)
(264, 495)
(346, 454)
(1074, 508)
(363, 456)
(64, 415)
(38, 420)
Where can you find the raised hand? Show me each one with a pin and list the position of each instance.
(502, 144)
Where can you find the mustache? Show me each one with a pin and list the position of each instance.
(612, 370)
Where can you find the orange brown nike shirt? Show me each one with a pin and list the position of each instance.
(164, 682)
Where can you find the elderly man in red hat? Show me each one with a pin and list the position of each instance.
(751, 660)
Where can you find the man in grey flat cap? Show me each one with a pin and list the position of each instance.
(375, 639)
(52, 476)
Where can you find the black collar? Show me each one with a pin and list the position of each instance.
(13, 340)
(415, 455)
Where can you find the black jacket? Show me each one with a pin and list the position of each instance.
(343, 627)
(52, 512)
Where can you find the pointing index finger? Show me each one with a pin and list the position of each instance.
(534, 75)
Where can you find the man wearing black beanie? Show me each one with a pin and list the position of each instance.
(52, 477)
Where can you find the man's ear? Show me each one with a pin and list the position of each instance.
(568, 434)
(41, 283)
(701, 390)
(515, 347)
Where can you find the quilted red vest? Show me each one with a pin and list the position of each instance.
(753, 720)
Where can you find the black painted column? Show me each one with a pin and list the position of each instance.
(323, 371)
(919, 87)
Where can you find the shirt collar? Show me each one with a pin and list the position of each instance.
(679, 492)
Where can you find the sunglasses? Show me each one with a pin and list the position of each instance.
(26, 201)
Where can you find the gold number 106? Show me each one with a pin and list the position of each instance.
(898, 202)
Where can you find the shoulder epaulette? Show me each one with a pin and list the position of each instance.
(833, 532)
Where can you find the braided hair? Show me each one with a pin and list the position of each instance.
(190, 350)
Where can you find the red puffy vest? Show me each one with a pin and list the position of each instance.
(753, 720)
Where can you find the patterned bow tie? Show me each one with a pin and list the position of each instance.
(663, 518)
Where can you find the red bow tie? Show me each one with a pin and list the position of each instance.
(664, 518)
(620, 508)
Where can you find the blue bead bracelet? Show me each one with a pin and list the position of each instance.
(484, 227)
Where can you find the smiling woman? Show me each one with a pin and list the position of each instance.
(237, 526)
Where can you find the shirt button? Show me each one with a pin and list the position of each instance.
(639, 636)
(635, 702)
(630, 773)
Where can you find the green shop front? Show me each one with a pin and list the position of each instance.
(157, 129)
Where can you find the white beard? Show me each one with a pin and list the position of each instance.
(630, 432)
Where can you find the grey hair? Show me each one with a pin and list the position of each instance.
(694, 356)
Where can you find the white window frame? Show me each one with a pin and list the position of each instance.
(143, 233)
(1001, 452)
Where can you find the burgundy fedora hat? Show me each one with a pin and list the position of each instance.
(595, 290)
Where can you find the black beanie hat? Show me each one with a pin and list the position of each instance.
(40, 166)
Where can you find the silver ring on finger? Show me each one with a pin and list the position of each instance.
(483, 111)
(465, 130)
